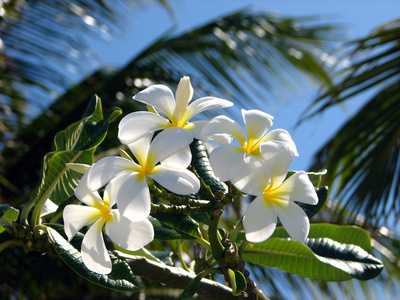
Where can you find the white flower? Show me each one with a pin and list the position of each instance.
(130, 178)
(138, 124)
(275, 195)
(227, 160)
(126, 234)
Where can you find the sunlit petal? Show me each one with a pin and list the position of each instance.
(140, 148)
(180, 159)
(259, 221)
(107, 168)
(178, 181)
(196, 127)
(168, 142)
(129, 235)
(94, 251)
(138, 124)
(222, 139)
(132, 194)
(77, 216)
(159, 96)
(226, 161)
(282, 136)
(225, 125)
(297, 187)
(108, 200)
(295, 220)
(253, 177)
(83, 192)
(184, 93)
(278, 158)
(257, 123)
(205, 103)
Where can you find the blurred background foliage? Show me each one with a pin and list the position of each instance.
(250, 56)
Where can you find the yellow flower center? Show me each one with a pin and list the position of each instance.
(272, 199)
(251, 147)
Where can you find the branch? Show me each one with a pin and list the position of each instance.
(175, 277)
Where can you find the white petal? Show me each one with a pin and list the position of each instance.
(94, 252)
(196, 127)
(108, 198)
(253, 177)
(206, 103)
(180, 159)
(184, 93)
(168, 142)
(132, 195)
(295, 220)
(222, 139)
(77, 216)
(178, 181)
(159, 96)
(282, 136)
(259, 221)
(257, 123)
(83, 192)
(107, 168)
(129, 235)
(138, 124)
(297, 187)
(277, 157)
(226, 161)
(225, 125)
(140, 148)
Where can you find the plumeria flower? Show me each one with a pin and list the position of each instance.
(99, 213)
(130, 178)
(227, 159)
(274, 194)
(178, 113)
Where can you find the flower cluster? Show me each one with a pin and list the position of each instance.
(255, 160)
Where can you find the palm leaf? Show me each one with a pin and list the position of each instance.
(246, 72)
(363, 156)
(376, 61)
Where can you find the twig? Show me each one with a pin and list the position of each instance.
(176, 277)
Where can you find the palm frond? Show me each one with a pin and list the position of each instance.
(363, 156)
(376, 63)
(244, 57)
(363, 160)
(42, 43)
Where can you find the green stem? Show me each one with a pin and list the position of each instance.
(242, 247)
(35, 220)
(163, 208)
(215, 238)
(10, 243)
(183, 263)
(204, 243)
(235, 231)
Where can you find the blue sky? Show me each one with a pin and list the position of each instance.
(359, 17)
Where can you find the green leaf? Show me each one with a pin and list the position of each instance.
(8, 215)
(181, 223)
(164, 257)
(193, 286)
(315, 177)
(165, 232)
(121, 278)
(343, 234)
(321, 258)
(75, 144)
(238, 282)
(311, 210)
